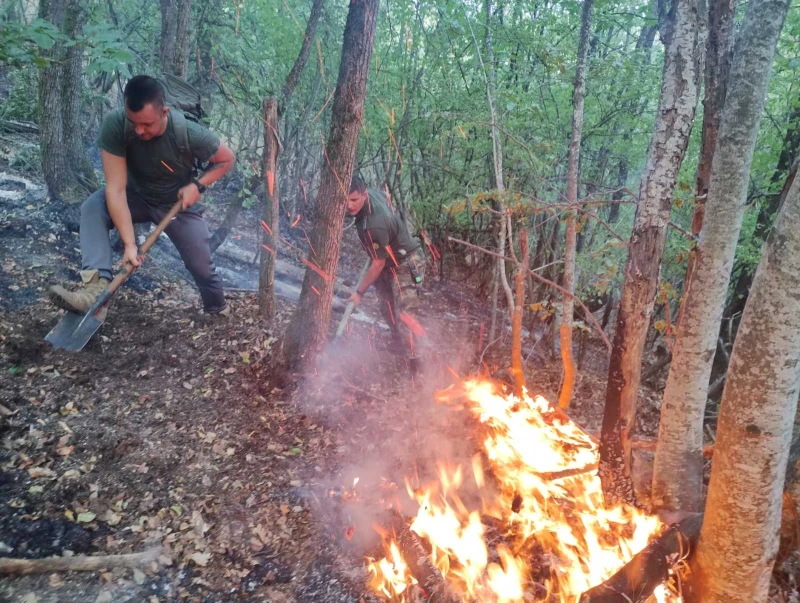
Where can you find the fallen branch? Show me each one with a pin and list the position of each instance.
(82, 563)
(18, 127)
(637, 579)
(550, 283)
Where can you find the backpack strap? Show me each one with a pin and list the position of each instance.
(182, 137)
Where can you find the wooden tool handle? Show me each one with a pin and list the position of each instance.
(149, 242)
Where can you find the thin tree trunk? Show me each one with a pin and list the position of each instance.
(678, 470)
(497, 156)
(302, 57)
(679, 93)
(517, 368)
(739, 538)
(266, 277)
(565, 330)
(307, 331)
(718, 60)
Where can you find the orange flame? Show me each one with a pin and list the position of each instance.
(546, 502)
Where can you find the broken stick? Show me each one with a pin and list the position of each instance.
(83, 563)
(637, 579)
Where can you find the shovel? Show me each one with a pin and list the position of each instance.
(350, 306)
(74, 330)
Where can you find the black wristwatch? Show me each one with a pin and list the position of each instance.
(200, 186)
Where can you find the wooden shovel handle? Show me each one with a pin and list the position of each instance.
(149, 242)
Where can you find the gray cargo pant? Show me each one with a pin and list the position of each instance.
(188, 231)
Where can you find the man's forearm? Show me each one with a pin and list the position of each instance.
(373, 272)
(117, 202)
(215, 172)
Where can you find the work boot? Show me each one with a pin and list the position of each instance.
(224, 313)
(81, 300)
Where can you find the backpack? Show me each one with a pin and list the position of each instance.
(184, 102)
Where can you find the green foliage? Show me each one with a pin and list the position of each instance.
(23, 88)
(106, 52)
(22, 44)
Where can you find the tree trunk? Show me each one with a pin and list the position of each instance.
(302, 57)
(739, 538)
(307, 331)
(678, 470)
(169, 30)
(718, 59)
(181, 46)
(679, 93)
(266, 277)
(74, 19)
(61, 143)
(51, 115)
(565, 330)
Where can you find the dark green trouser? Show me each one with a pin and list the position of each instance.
(398, 294)
(188, 231)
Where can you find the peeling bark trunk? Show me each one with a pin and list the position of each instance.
(674, 118)
(267, 306)
(565, 330)
(678, 470)
(721, 15)
(308, 329)
(739, 538)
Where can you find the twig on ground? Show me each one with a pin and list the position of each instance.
(83, 563)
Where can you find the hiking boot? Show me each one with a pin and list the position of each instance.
(224, 313)
(81, 300)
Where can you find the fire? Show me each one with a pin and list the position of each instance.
(542, 496)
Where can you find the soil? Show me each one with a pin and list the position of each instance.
(167, 429)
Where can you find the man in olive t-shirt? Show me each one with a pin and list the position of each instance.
(149, 154)
(397, 266)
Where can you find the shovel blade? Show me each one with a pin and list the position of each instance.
(74, 331)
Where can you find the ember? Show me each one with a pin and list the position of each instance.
(558, 538)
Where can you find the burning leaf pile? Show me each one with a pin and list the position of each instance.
(540, 530)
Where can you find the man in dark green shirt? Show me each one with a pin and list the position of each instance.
(149, 154)
(397, 267)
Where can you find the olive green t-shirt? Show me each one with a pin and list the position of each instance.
(381, 230)
(156, 170)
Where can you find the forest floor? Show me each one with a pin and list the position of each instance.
(167, 429)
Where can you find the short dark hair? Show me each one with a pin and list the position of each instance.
(142, 90)
(357, 185)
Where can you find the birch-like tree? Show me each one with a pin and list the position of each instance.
(739, 538)
(678, 473)
(680, 87)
